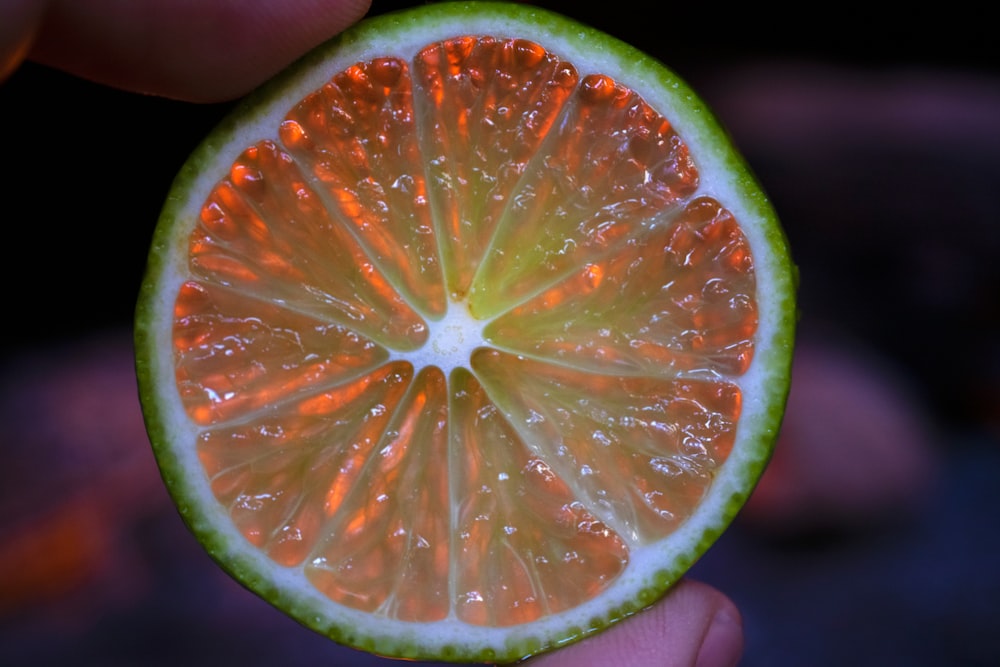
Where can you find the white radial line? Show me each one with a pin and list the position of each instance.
(451, 339)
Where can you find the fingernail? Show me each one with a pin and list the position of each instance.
(723, 643)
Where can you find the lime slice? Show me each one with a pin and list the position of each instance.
(465, 337)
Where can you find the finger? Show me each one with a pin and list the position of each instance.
(199, 50)
(694, 626)
(19, 21)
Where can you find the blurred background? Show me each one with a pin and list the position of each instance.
(873, 538)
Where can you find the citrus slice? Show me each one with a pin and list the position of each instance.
(465, 336)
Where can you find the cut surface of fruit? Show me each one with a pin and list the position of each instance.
(465, 336)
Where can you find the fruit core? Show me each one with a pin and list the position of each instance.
(451, 340)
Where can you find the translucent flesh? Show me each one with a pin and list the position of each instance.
(558, 209)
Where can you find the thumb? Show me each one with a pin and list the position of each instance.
(19, 22)
(693, 626)
(187, 49)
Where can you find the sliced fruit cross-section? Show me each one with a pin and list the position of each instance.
(465, 336)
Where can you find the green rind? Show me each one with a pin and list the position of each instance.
(689, 113)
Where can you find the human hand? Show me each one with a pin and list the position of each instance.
(196, 50)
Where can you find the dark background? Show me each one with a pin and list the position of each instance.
(878, 139)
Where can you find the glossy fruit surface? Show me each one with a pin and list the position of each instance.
(465, 336)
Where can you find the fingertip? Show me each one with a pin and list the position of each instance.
(716, 623)
(191, 50)
(694, 625)
(21, 19)
(722, 645)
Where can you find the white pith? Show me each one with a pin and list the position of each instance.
(452, 339)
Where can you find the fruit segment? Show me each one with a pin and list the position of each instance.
(235, 356)
(356, 137)
(282, 475)
(676, 299)
(266, 234)
(487, 105)
(526, 545)
(386, 548)
(639, 452)
(610, 167)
